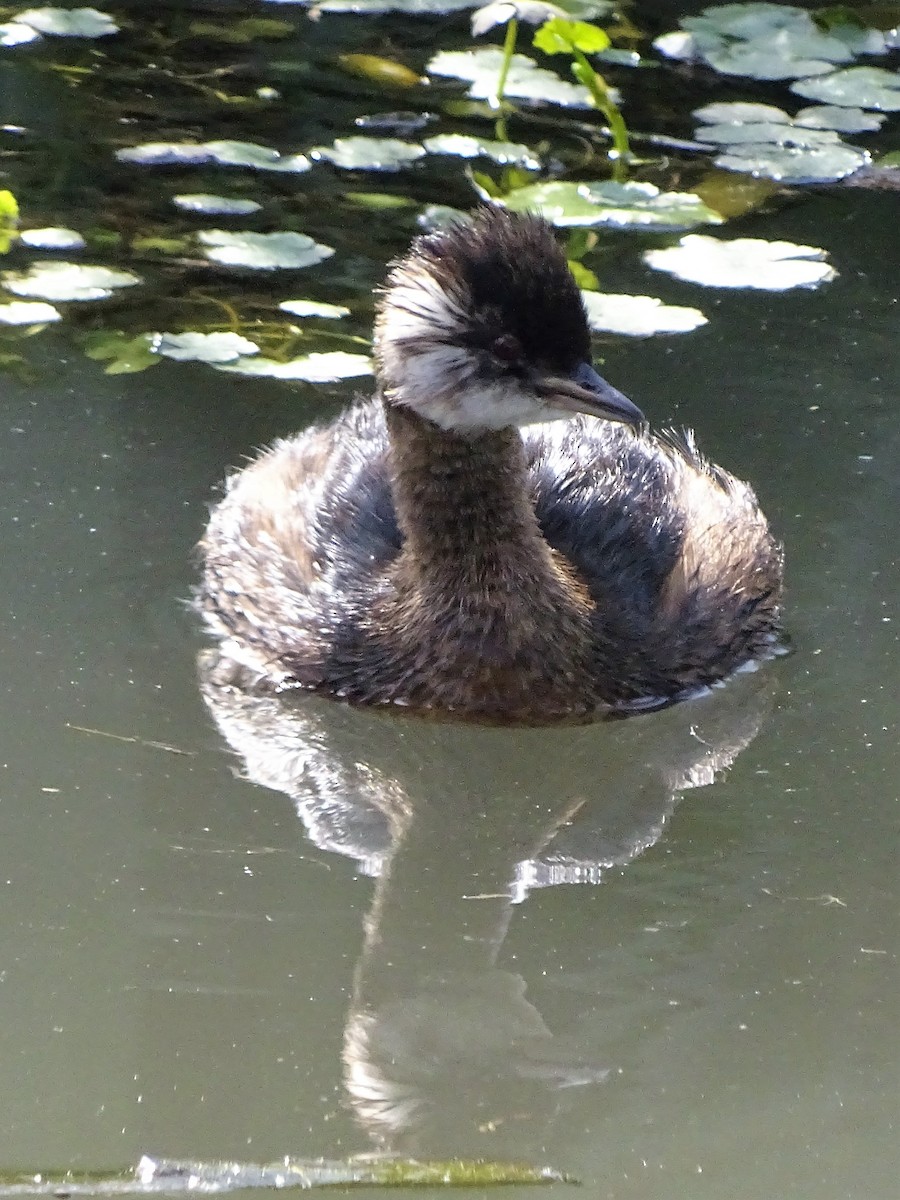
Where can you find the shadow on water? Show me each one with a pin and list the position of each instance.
(458, 825)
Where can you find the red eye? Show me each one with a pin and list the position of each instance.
(507, 348)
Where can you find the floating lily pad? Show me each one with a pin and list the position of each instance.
(28, 312)
(634, 205)
(464, 146)
(525, 81)
(312, 368)
(14, 33)
(764, 141)
(639, 316)
(844, 120)
(375, 7)
(369, 154)
(767, 41)
(52, 239)
(441, 216)
(314, 308)
(225, 153)
(67, 281)
(71, 22)
(203, 347)
(202, 202)
(263, 251)
(795, 163)
(742, 263)
(857, 87)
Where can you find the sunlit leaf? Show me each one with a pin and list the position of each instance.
(206, 204)
(67, 281)
(532, 12)
(314, 308)
(15, 33)
(312, 368)
(383, 71)
(369, 154)
(202, 347)
(263, 251)
(742, 263)
(377, 201)
(635, 205)
(638, 316)
(857, 87)
(52, 239)
(28, 312)
(225, 153)
(9, 220)
(740, 112)
(844, 120)
(466, 146)
(73, 22)
(560, 36)
(526, 80)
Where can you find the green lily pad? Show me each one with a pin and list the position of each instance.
(441, 216)
(844, 120)
(525, 81)
(409, 8)
(639, 316)
(15, 33)
(369, 154)
(69, 22)
(465, 146)
(203, 347)
(52, 239)
(742, 263)
(28, 312)
(67, 281)
(739, 112)
(857, 87)
(206, 204)
(312, 368)
(263, 251)
(314, 308)
(123, 354)
(767, 41)
(795, 163)
(225, 153)
(621, 205)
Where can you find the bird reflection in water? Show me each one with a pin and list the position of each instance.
(457, 824)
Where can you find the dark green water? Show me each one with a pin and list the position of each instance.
(184, 971)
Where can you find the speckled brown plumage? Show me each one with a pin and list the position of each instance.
(568, 569)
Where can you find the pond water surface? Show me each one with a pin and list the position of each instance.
(233, 930)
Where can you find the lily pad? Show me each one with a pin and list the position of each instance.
(69, 22)
(857, 87)
(52, 239)
(28, 312)
(742, 263)
(225, 153)
(639, 316)
(369, 154)
(795, 163)
(314, 308)
(767, 41)
(14, 33)
(67, 281)
(525, 81)
(203, 347)
(621, 205)
(312, 368)
(375, 7)
(263, 251)
(740, 112)
(202, 202)
(465, 146)
(844, 120)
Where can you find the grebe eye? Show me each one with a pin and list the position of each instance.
(507, 348)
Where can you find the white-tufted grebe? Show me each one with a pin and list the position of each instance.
(433, 547)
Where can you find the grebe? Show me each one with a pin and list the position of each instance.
(434, 547)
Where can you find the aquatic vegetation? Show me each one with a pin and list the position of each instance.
(742, 263)
(541, 129)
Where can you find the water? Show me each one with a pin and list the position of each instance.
(187, 968)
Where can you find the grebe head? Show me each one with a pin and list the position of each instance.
(481, 326)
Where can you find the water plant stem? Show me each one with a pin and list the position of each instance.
(509, 48)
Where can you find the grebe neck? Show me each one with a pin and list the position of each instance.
(461, 500)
